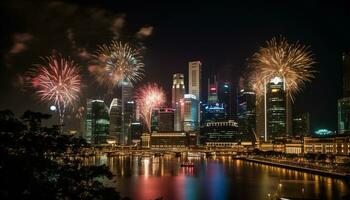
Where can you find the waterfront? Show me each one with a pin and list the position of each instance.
(219, 177)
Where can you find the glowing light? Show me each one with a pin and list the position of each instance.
(53, 108)
(276, 80)
(118, 63)
(274, 90)
(147, 98)
(57, 82)
(323, 132)
(290, 62)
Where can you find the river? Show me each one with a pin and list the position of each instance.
(214, 178)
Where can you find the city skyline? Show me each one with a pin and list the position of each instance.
(213, 61)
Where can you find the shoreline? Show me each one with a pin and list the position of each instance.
(303, 169)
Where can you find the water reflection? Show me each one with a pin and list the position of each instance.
(215, 178)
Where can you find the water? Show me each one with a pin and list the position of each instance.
(215, 178)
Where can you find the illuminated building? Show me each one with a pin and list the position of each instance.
(225, 97)
(163, 120)
(189, 112)
(97, 122)
(323, 132)
(115, 119)
(246, 111)
(136, 132)
(195, 78)
(218, 132)
(301, 124)
(339, 145)
(344, 103)
(346, 75)
(213, 91)
(178, 89)
(194, 82)
(129, 118)
(171, 140)
(213, 112)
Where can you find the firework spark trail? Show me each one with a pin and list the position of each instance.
(292, 62)
(57, 81)
(149, 97)
(118, 62)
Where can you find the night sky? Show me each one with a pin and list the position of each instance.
(220, 34)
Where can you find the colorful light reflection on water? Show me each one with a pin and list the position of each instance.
(214, 178)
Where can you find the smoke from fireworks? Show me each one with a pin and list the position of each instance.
(149, 97)
(291, 62)
(116, 63)
(57, 82)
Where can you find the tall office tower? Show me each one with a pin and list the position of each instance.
(301, 124)
(178, 89)
(346, 75)
(221, 134)
(344, 103)
(246, 111)
(115, 120)
(277, 109)
(225, 97)
(163, 120)
(129, 118)
(97, 121)
(189, 112)
(194, 82)
(213, 91)
(195, 78)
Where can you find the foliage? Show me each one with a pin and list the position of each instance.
(33, 164)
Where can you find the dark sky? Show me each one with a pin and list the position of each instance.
(220, 34)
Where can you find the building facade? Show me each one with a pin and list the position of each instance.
(213, 91)
(97, 122)
(246, 111)
(178, 89)
(163, 120)
(189, 112)
(301, 124)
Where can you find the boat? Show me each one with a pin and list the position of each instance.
(186, 164)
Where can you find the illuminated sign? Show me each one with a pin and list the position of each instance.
(212, 89)
(274, 90)
(190, 96)
(276, 80)
(323, 132)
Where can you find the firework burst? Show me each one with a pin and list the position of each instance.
(118, 62)
(292, 62)
(149, 97)
(57, 82)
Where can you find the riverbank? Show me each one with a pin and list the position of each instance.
(303, 169)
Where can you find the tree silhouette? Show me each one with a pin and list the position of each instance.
(33, 163)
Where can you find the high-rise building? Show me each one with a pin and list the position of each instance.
(129, 118)
(301, 124)
(246, 111)
(344, 115)
(278, 108)
(115, 120)
(212, 113)
(213, 91)
(195, 78)
(344, 103)
(194, 83)
(225, 97)
(97, 122)
(178, 89)
(163, 120)
(346, 75)
(189, 112)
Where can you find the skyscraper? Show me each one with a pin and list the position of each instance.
(195, 78)
(178, 89)
(225, 97)
(115, 122)
(189, 112)
(277, 119)
(213, 91)
(97, 122)
(246, 111)
(301, 124)
(194, 83)
(344, 103)
(163, 120)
